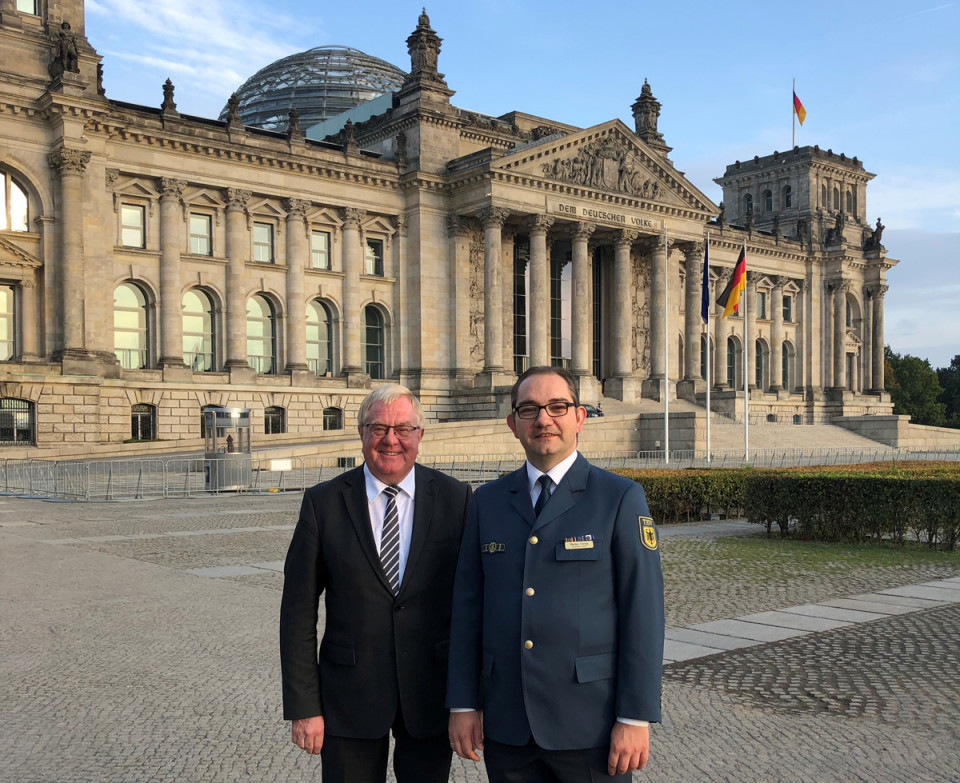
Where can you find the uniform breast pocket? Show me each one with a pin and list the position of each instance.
(575, 550)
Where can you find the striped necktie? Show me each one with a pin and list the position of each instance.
(390, 540)
(545, 483)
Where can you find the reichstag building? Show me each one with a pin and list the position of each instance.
(344, 223)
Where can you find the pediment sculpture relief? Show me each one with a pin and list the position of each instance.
(605, 165)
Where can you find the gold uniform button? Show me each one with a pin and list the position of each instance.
(529, 591)
(534, 539)
(528, 644)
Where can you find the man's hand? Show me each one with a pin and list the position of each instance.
(466, 734)
(307, 734)
(629, 748)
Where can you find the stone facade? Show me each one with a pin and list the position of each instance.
(164, 263)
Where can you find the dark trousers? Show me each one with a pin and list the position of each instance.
(532, 764)
(348, 760)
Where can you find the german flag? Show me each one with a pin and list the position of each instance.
(730, 298)
(798, 108)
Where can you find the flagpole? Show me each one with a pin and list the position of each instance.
(793, 114)
(746, 365)
(706, 285)
(665, 389)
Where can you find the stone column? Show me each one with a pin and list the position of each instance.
(720, 339)
(352, 318)
(750, 338)
(840, 333)
(866, 359)
(238, 250)
(28, 320)
(493, 219)
(826, 336)
(71, 164)
(171, 244)
(658, 315)
(582, 323)
(878, 293)
(458, 229)
(692, 321)
(539, 325)
(803, 324)
(508, 238)
(298, 254)
(776, 335)
(623, 385)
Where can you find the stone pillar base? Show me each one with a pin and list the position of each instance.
(76, 361)
(625, 389)
(241, 373)
(838, 394)
(588, 387)
(651, 389)
(176, 371)
(356, 378)
(301, 376)
(688, 388)
(494, 378)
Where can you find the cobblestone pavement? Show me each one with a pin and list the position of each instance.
(118, 664)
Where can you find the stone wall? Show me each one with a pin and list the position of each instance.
(899, 432)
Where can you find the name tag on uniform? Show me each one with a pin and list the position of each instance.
(578, 542)
(493, 547)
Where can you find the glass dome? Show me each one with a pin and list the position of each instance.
(319, 83)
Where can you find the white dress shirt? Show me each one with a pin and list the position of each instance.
(377, 506)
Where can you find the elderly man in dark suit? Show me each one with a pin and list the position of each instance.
(557, 638)
(380, 544)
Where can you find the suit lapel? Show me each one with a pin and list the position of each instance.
(425, 495)
(520, 495)
(565, 495)
(355, 497)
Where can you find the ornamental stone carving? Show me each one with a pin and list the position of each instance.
(352, 217)
(878, 291)
(111, 177)
(237, 198)
(458, 226)
(67, 161)
(493, 216)
(625, 237)
(583, 230)
(297, 207)
(172, 188)
(640, 355)
(605, 165)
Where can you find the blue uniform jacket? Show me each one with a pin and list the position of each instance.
(553, 639)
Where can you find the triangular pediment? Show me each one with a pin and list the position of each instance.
(12, 254)
(204, 197)
(608, 158)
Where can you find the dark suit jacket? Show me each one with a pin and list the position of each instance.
(595, 618)
(376, 647)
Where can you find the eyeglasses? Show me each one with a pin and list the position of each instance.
(554, 410)
(402, 431)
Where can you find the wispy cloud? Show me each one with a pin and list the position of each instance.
(925, 11)
(918, 198)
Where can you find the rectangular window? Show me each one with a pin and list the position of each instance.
(201, 243)
(374, 258)
(320, 250)
(788, 309)
(263, 243)
(132, 225)
(761, 304)
(27, 7)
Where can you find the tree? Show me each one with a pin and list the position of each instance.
(914, 389)
(950, 381)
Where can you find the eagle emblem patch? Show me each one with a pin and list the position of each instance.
(648, 533)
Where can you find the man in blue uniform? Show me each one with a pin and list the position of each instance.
(557, 636)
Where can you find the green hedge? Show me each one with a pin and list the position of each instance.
(880, 501)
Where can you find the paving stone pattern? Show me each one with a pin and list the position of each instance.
(119, 664)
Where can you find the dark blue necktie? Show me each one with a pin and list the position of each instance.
(545, 484)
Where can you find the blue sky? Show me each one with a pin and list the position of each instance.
(878, 79)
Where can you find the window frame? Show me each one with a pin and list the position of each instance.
(12, 423)
(11, 322)
(208, 236)
(767, 200)
(314, 252)
(146, 413)
(125, 227)
(35, 4)
(373, 264)
(7, 200)
(332, 415)
(315, 363)
(381, 345)
(787, 196)
(210, 348)
(259, 244)
(271, 320)
(143, 329)
(274, 420)
(761, 304)
(788, 308)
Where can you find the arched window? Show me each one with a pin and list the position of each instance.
(319, 338)
(733, 361)
(143, 422)
(332, 419)
(130, 325)
(14, 212)
(8, 323)
(787, 196)
(198, 331)
(261, 335)
(850, 201)
(373, 343)
(16, 422)
(836, 198)
(849, 319)
(823, 197)
(680, 363)
(768, 201)
(789, 382)
(748, 203)
(274, 420)
(703, 355)
(760, 364)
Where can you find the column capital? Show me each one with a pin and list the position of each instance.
(540, 224)
(493, 217)
(68, 161)
(878, 291)
(779, 281)
(692, 251)
(583, 231)
(172, 188)
(458, 226)
(399, 222)
(626, 237)
(803, 284)
(296, 207)
(27, 283)
(841, 286)
(352, 217)
(237, 199)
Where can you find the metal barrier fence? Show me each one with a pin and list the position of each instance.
(151, 479)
